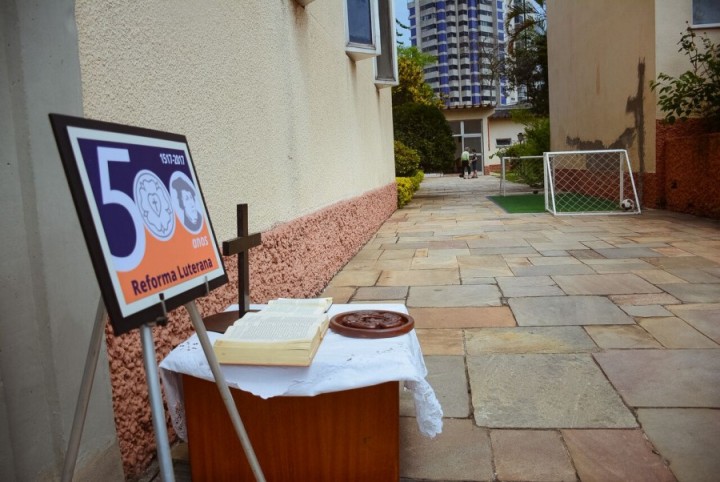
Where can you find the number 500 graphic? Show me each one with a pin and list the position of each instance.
(143, 216)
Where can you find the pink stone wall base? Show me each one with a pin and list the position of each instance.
(296, 259)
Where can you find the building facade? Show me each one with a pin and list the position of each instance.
(467, 37)
(602, 57)
(285, 108)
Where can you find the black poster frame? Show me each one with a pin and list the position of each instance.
(200, 278)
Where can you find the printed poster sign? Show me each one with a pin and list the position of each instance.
(143, 216)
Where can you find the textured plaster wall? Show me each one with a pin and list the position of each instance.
(276, 114)
(296, 259)
(601, 59)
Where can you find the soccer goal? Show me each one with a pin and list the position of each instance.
(521, 174)
(590, 182)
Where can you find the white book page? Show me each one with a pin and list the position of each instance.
(305, 306)
(273, 327)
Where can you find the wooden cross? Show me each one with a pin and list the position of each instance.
(240, 246)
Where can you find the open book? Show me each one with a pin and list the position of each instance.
(286, 332)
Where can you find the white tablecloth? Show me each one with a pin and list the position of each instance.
(341, 363)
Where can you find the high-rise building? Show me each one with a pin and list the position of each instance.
(468, 39)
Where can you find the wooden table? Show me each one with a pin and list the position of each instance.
(352, 435)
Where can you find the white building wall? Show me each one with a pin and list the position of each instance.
(276, 114)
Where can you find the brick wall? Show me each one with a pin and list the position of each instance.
(687, 177)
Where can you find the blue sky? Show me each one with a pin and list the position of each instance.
(401, 13)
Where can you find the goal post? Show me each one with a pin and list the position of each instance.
(590, 182)
(523, 169)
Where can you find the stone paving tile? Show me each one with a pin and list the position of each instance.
(434, 262)
(339, 294)
(453, 296)
(645, 311)
(431, 253)
(621, 336)
(604, 284)
(664, 378)
(675, 333)
(419, 277)
(584, 254)
(378, 265)
(543, 391)
(490, 261)
(406, 253)
(469, 273)
(471, 317)
(552, 269)
(503, 243)
(446, 374)
(688, 438)
(528, 286)
(634, 252)
(478, 281)
(367, 253)
(555, 260)
(555, 339)
(460, 453)
(657, 276)
(372, 293)
(435, 341)
(694, 275)
(598, 245)
(645, 299)
(558, 246)
(567, 310)
(694, 292)
(531, 456)
(502, 250)
(615, 455)
(704, 317)
(683, 262)
(603, 266)
(355, 278)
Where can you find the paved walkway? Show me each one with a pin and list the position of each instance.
(561, 348)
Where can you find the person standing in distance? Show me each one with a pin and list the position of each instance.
(465, 161)
(473, 162)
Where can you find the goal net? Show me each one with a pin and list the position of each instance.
(521, 174)
(590, 182)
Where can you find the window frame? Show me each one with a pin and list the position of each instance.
(360, 51)
(715, 24)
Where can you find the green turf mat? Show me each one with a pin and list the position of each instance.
(564, 203)
(520, 203)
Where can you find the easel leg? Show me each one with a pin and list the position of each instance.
(224, 390)
(84, 395)
(158, 412)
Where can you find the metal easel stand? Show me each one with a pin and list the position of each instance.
(156, 404)
(224, 390)
(84, 395)
(158, 412)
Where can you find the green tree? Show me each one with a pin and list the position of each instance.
(412, 87)
(695, 93)
(423, 127)
(536, 141)
(527, 63)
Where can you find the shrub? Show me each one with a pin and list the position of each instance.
(424, 128)
(407, 160)
(406, 187)
(696, 93)
(405, 190)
